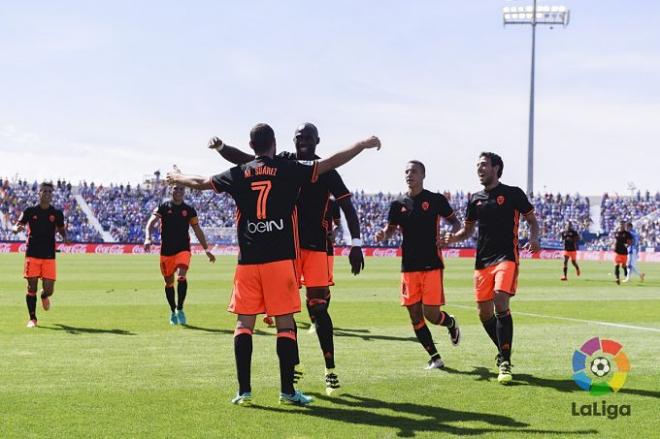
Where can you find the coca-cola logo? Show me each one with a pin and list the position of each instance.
(22, 248)
(451, 253)
(385, 252)
(137, 250)
(549, 254)
(345, 251)
(5, 248)
(114, 249)
(75, 248)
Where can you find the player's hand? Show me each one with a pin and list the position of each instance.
(371, 142)
(172, 177)
(356, 259)
(215, 143)
(442, 241)
(18, 228)
(380, 236)
(210, 255)
(147, 245)
(534, 246)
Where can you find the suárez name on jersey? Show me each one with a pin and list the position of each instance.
(265, 226)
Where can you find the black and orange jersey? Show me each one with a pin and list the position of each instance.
(175, 220)
(622, 239)
(266, 190)
(313, 205)
(571, 239)
(498, 214)
(419, 220)
(332, 218)
(41, 227)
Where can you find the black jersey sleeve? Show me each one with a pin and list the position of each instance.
(193, 216)
(392, 216)
(471, 212)
(59, 219)
(226, 181)
(25, 216)
(160, 210)
(336, 185)
(522, 202)
(303, 172)
(444, 209)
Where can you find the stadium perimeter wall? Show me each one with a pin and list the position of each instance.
(118, 249)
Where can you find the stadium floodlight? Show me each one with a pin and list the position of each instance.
(533, 16)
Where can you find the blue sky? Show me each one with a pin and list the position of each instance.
(114, 91)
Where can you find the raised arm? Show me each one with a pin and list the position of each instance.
(342, 157)
(229, 153)
(192, 181)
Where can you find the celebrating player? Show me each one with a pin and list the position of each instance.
(571, 239)
(497, 211)
(42, 221)
(622, 240)
(175, 218)
(266, 190)
(417, 214)
(313, 265)
(633, 254)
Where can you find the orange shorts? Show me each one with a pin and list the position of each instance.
(620, 259)
(37, 267)
(500, 277)
(571, 254)
(314, 269)
(422, 286)
(169, 264)
(270, 288)
(331, 269)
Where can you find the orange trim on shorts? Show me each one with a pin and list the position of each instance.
(40, 268)
(169, 264)
(422, 286)
(239, 331)
(313, 269)
(499, 277)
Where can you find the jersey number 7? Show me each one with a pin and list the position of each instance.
(264, 189)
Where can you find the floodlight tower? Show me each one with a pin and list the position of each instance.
(534, 15)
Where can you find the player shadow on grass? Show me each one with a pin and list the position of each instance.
(435, 419)
(222, 331)
(76, 330)
(366, 335)
(523, 379)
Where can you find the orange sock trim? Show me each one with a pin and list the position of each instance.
(181, 278)
(420, 325)
(239, 331)
(287, 334)
(30, 293)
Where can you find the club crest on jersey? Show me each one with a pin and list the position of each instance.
(403, 209)
(500, 199)
(184, 213)
(425, 205)
(34, 217)
(51, 218)
(169, 211)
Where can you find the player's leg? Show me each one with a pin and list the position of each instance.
(484, 291)
(243, 355)
(181, 292)
(287, 351)
(318, 301)
(433, 297)
(486, 311)
(48, 290)
(423, 334)
(575, 264)
(170, 295)
(504, 329)
(31, 300)
(564, 277)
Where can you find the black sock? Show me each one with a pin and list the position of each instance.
(297, 356)
(577, 268)
(181, 290)
(324, 330)
(169, 293)
(312, 319)
(446, 320)
(505, 334)
(565, 270)
(243, 354)
(616, 272)
(286, 351)
(31, 301)
(426, 339)
(490, 326)
(625, 271)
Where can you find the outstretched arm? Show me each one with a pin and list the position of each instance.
(192, 181)
(229, 153)
(345, 156)
(450, 238)
(199, 233)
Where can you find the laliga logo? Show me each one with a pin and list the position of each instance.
(265, 226)
(598, 358)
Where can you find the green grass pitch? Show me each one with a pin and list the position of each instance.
(104, 361)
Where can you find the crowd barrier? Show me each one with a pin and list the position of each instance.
(121, 249)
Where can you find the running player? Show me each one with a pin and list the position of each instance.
(266, 190)
(417, 214)
(633, 254)
(571, 239)
(313, 264)
(622, 240)
(175, 218)
(42, 221)
(497, 211)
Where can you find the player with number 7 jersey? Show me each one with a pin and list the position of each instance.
(265, 191)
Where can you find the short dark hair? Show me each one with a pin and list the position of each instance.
(418, 163)
(261, 137)
(630, 224)
(495, 160)
(46, 184)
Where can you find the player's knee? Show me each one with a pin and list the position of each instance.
(181, 278)
(317, 306)
(486, 313)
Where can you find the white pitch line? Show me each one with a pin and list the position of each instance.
(595, 322)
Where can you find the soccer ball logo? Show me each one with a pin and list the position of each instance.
(600, 366)
(598, 360)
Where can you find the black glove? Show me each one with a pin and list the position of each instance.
(356, 260)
